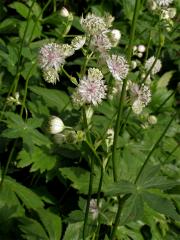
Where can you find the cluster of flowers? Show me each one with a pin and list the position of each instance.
(92, 89)
(166, 13)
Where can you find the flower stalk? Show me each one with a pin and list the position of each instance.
(119, 118)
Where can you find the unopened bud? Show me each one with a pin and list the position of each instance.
(115, 36)
(64, 12)
(152, 119)
(56, 125)
(141, 48)
(172, 12)
(140, 55)
(133, 64)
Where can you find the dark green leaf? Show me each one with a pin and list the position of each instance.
(39, 158)
(53, 98)
(51, 222)
(160, 204)
(32, 230)
(132, 209)
(20, 8)
(74, 231)
(121, 187)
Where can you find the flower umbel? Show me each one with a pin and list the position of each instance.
(141, 96)
(157, 66)
(91, 89)
(51, 56)
(78, 42)
(93, 24)
(118, 66)
(163, 3)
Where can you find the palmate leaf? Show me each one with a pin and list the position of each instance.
(51, 222)
(17, 127)
(74, 231)
(11, 191)
(149, 179)
(132, 209)
(160, 204)
(32, 230)
(53, 98)
(79, 178)
(120, 187)
(39, 159)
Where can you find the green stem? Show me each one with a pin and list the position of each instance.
(54, 5)
(20, 49)
(8, 162)
(153, 148)
(90, 178)
(26, 87)
(119, 116)
(38, 17)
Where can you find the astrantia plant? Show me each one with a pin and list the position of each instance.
(89, 125)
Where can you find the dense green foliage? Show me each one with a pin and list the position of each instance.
(45, 180)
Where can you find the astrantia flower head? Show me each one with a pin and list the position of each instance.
(93, 24)
(50, 75)
(78, 42)
(56, 125)
(137, 106)
(118, 66)
(141, 96)
(51, 56)
(91, 89)
(67, 50)
(93, 209)
(157, 66)
(100, 42)
(164, 3)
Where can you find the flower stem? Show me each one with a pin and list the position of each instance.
(153, 148)
(119, 116)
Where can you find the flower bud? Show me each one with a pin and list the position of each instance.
(152, 119)
(64, 12)
(56, 125)
(115, 36)
(133, 64)
(172, 12)
(141, 48)
(140, 54)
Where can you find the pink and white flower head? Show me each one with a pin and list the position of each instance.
(52, 55)
(163, 3)
(78, 42)
(93, 24)
(100, 42)
(156, 68)
(91, 88)
(141, 96)
(118, 66)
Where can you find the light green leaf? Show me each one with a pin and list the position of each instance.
(160, 204)
(8, 25)
(39, 158)
(132, 209)
(80, 178)
(33, 30)
(51, 222)
(20, 8)
(12, 190)
(74, 231)
(53, 98)
(32, 230)
(164, 80)
(121, 187)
